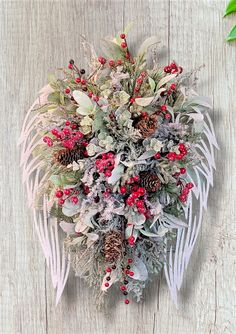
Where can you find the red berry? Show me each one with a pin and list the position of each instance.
(182, 170)
(90, 94)
(96, 98)
(107, 284)
(123, 190)
(123, 45)
(59, 193)
(167, 69)
(167, 116)
(111, 63)
(126, 301)
(130, 261)
(74, 126)
(78, 80)
(122, 36)
(182, 198)
(132, 100)
(157, 155)
(130, 201)
(136, 178)
(190, 185)
(102, 60)
(74, 199)
(163, 107)
(107, 173)
(141, 191)
(144, 114)
(185, 191)
(66, 131)
(110, 155)
(171, 156)
(142, 210)
(131, 273)
(54, 132)
(67, 90)
(173, 86)
(173, 66)
(179, 156)
(67, 191)
(70, 66)
(83, 82)
(140, 81)
(139, 203)
(135, 195)
(131, 238)
(119, 62)
(67, 123)
(123, 288)
(61, 201)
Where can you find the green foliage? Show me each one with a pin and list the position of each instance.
(232, 34)
(231, 7)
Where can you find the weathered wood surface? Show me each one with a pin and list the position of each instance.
(37, 36)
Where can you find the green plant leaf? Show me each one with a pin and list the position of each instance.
(232, 35)
(231, 7)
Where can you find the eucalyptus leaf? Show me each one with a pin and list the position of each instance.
(147, 155)
(144, 101)
(116, 174)
(152, 83)
(164, 80)
(146, 45)
(231, 7)
(232, 34)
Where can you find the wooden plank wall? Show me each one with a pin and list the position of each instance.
(38, 36)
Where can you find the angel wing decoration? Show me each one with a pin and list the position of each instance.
(117, 165)
(34, 175)
(202, 178)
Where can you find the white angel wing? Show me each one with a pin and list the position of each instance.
(47, 227)
(202, 178)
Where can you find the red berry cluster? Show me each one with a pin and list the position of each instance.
(185, 191)
(68, 136)
(175, 156)
(111, 62)
(172, 68)
(105, 163)
(62, 195)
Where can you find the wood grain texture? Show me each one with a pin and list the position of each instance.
(38, 36)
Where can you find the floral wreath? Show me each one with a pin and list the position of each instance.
(114, 162)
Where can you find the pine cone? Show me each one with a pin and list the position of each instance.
(147, 125)
(67, 156)
(113, 246)
(150, 181)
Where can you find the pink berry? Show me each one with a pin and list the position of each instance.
(59, 193)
